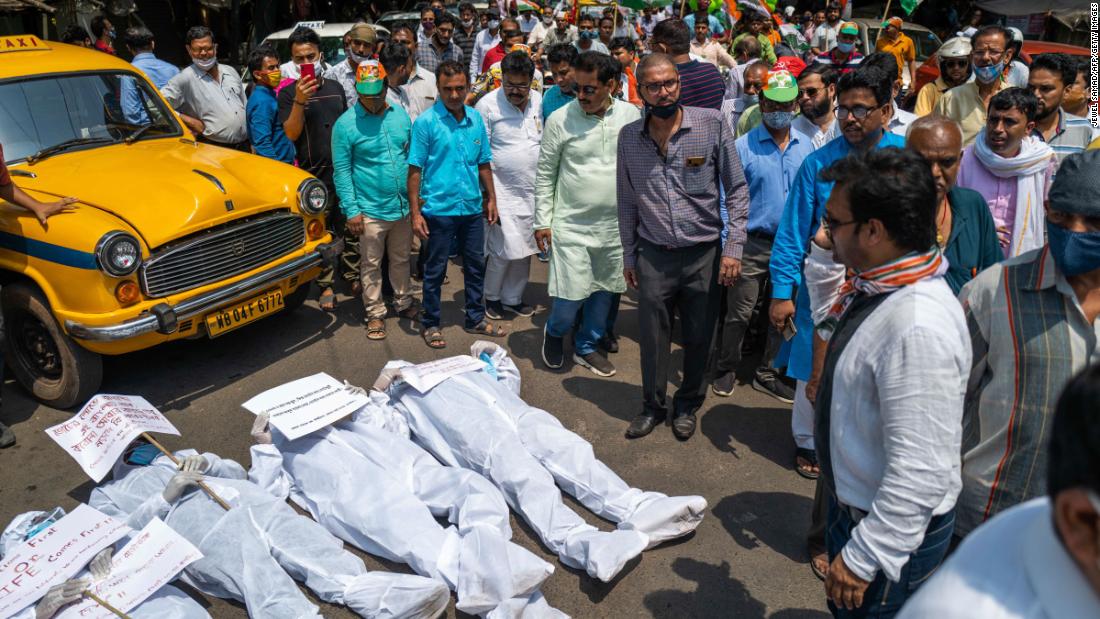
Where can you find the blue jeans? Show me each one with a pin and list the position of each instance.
(469, 230)
(883, 598)
(593, 323)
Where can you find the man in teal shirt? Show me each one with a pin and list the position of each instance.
(449, 155)
(563, 61)
(369, 145)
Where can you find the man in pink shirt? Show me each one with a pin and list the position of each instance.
(1012, 170)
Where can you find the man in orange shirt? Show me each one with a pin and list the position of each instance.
(896, 42)
(623, 50)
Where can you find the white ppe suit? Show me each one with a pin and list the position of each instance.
(367, 483)
(254, 552)
(167, 602)
(476, 420)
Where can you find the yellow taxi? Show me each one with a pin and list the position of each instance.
(170, 239)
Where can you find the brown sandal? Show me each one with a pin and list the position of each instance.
(376, 329)
(433, 337)
(486, 328)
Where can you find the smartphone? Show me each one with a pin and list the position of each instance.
(308, 71)
(789, 330)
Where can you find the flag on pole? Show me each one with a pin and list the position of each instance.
(909, 6)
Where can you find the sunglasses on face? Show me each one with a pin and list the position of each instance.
(809, 92)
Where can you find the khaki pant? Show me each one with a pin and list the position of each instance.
(389, 238)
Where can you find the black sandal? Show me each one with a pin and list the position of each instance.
(810, 456)
(433, 337)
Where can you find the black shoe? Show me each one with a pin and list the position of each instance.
(520, 310)
(724, 384)
(553, 351)
(596, 362)
(609, 342)
(7, 437)
(643, 424)
(494, 310)
(767, 381)
(683, 426)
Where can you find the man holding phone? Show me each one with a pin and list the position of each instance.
(308, 110)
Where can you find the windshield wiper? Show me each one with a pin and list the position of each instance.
(67, 144)
(137, 133)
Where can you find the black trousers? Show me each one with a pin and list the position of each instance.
(682, 281)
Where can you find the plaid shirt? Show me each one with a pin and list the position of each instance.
(1073, 135)
(429, 58)
(672, 200)
(1029, 337)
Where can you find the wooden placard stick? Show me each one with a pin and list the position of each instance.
(205, 488)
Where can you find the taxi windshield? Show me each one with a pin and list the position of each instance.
(49, 114)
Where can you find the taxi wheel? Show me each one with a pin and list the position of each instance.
(54, 368)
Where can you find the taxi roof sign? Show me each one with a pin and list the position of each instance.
(22, 43)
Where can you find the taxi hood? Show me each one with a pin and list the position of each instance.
(168, 188)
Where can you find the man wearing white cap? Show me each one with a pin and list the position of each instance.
(954, 59)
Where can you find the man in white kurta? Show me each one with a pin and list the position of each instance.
(577, 215)
(513, 120)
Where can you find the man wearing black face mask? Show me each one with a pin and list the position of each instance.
(671, 164)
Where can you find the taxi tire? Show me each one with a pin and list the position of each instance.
(81, 370)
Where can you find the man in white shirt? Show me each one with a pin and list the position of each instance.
(1040, 559)
(816, 100)
(410, 86)
(486, 40)
(648, 20)
(899, 118)
(888, 426)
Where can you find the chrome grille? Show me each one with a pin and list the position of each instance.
(214, 256)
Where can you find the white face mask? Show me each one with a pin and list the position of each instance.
(206, 64)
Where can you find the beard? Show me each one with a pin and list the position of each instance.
(817, 110)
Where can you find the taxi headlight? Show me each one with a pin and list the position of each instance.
(312, 196)
(118, 253)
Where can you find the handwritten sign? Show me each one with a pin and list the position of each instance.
(427, 375)
(97, 435)
(152, 559)
(306, 405)
(54, 555)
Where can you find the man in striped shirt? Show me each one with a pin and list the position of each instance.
(701, 84)
(1034, 322)
(844, 57)
(1051, 77)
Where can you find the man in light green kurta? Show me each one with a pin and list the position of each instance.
(576, 212)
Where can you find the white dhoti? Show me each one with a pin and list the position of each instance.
(477, 420)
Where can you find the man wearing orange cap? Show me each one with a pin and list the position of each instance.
(896, 42)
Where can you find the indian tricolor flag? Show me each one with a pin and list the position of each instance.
(527, 5)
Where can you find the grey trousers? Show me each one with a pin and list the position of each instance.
(684, 281)
(741, 299)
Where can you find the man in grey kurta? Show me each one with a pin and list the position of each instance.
(575, 209)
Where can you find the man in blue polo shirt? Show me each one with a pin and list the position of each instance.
(448, 156)
(863, 110)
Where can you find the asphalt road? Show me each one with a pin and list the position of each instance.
(747, 559)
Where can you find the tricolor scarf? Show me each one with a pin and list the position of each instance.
(909, 269)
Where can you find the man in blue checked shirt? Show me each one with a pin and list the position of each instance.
(863, 111)
(448, 156)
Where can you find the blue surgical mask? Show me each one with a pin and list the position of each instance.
(778, 120)
(845, 48)
(591, 35)
(43, 524)
(494, 24)
(750, 100)
(988, 75)
(487, 359)
(142, 455)
(1074, 252)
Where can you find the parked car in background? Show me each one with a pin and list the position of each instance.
(332, 39)
(172, 239)
(925, 41)
(930, 69)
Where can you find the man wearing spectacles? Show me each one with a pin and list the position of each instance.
(816, 100)
(863, 111)
(954, 59)
(966, 104)
(575, 211)
(672, 165)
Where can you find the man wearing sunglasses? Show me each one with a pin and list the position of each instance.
(954, 57)
(864, 103)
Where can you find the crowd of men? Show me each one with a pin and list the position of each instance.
(928, 282)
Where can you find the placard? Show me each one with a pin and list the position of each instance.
(152, 559)
(427, 375)
(306, 405)
(54, 555)
(97, 435)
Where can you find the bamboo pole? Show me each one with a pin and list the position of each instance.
(205, 488)
(98, 600)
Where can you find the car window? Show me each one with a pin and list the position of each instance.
(41, 112)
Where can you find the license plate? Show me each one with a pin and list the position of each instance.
(251, 310)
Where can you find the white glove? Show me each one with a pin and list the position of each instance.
(179, 484)
(260, 432)
(60, 595)
(482, 346)
(100, 567)
(195, 463)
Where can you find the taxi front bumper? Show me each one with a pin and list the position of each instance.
(164, 318)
